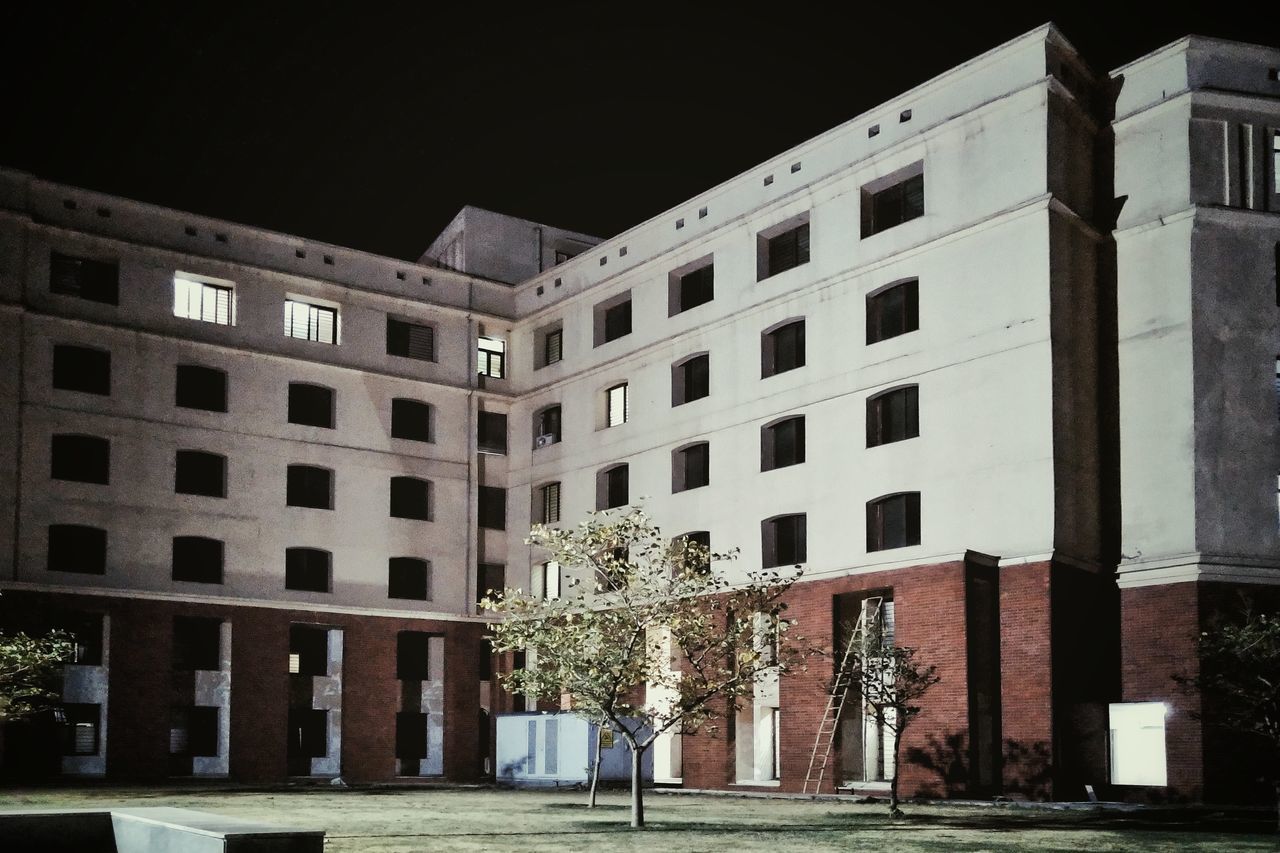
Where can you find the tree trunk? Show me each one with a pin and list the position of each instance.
(595, 769)
(893, 783)
(637, 788)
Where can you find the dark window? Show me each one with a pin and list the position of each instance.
(491, 577)
(309, 486)
(197, 559)
(782, 444)
(80, 458)
(782, 349)
(692, 289)
(893, 416)
(782, 252)
(310, 405)
(409, 577)
(413, 656)
(411, 498)
(411, 340)
(547, 510)
(493, 508)
(485, 654)
(553, 346)
(86, 628)
(547, 427)
(690, 379)
(308, 649)
(893, 521)
(193, 731)
(410, 419)
(97, 281)
(783, 540)
(307, 569)
(77, 548)
(198, 387)
(197, 643)
(82, 369)
(492, 432)
(308, 738)
(411, 735)
(893, 311)
(612, 488)
(83, 723)
(613, 319)
(691, 468)
(895, 204)
(200, 473)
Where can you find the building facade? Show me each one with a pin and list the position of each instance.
(993, 354)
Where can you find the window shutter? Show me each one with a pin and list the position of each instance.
(325, 324)
(802, 244)
(420, 342)
(554, 344)
(551, 503)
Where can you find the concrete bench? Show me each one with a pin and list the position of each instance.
(147, 830)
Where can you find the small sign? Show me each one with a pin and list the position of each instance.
(606, 738)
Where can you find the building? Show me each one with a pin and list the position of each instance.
(1001, 346)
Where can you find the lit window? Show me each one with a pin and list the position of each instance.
(309, 322)
(203, 300)
(492, 358)
(619, 407)
(1137, 743)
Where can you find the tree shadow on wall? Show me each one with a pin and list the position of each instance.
(1027, 768)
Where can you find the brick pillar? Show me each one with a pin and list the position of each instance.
(462, 760)
(139, 690)
(370, 699)
(1026, 667)
(259, 694)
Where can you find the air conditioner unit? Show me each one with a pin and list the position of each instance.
(545, 440)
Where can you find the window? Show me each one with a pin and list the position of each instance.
(411, 340)
(893, 416)
(617, 406)
(612, 489)
(308, 570)
(410, 419)
(492, 432)
(547, 507)
(82, 369)
(782, 443)
(491, 357)
(199, 473)
(77, 548)
(197, 387)
(309, 322)
(893, 200)
(782, 247)
(1138, 743)
(409, 577)
(493, 508)
(413, 656)
(411, 498)
(86, 628)
(783, 540)
(612, 319)
(782, 349)
(688, 288)
(203, 300)
(703, 538)
(691, 467)
(309, 486)
(197, 559)
(548, 343)
(550, 580)
(893, 311)
(96, 281)
(546, 427)
(310, 405)
(1275, 161)
(197, 643)
(193, 731)
(491, 578)
(690, 379)
(80, 459)
(308, 648)
(893, 521)
(83, 723)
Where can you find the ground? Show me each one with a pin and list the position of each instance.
(396, 820)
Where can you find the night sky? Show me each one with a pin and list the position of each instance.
(370, 128)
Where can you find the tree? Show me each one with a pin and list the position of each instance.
(29, 669)
(1239, 679)
(889, 682)
(645, 612)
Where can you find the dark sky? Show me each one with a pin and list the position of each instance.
(369, 126)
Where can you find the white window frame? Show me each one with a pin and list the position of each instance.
(551, 580)
(617, 405)
(197, 298)
(304, 315)
(489, 350)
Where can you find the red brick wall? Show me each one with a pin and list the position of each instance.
(1025, 679)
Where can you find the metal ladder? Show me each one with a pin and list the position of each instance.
(826, 738)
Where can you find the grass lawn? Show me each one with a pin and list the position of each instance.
(390, 820)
